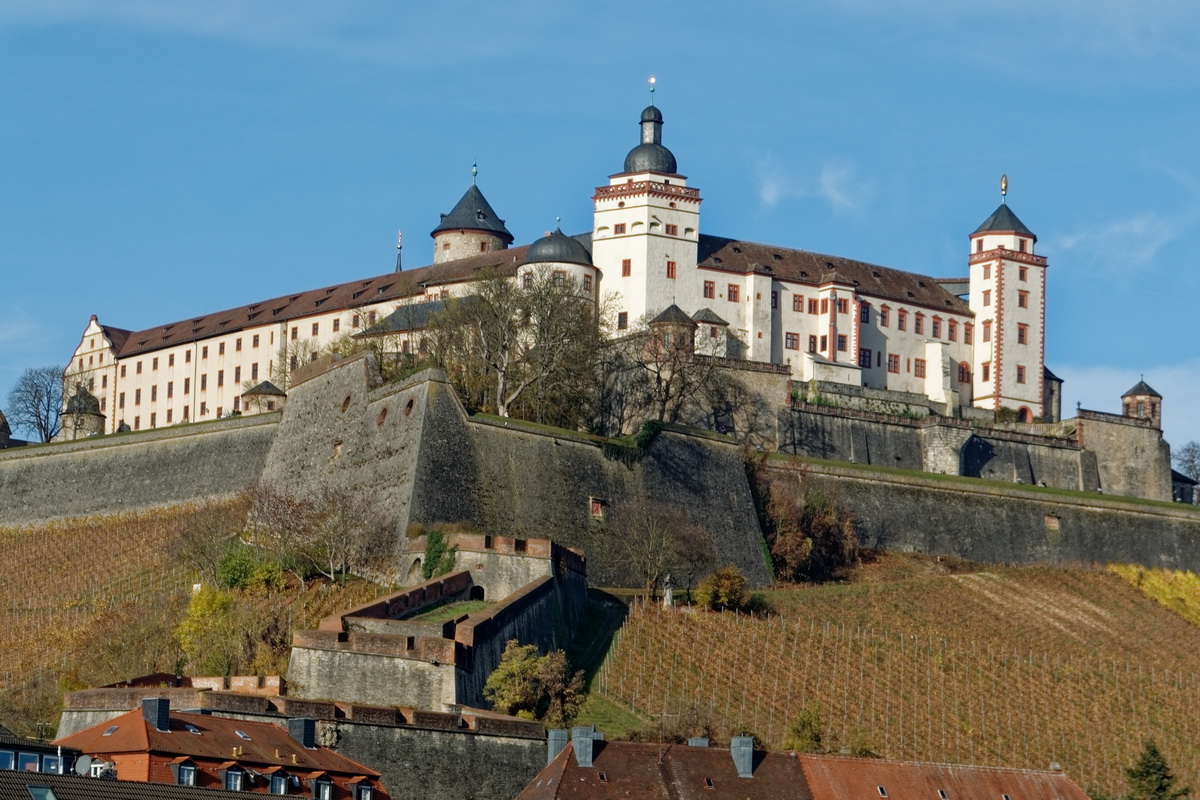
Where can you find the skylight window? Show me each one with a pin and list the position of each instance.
(882, 791)
(942, 794)
(191, 728)
(110, 730)
(41, 793)
(246, 736)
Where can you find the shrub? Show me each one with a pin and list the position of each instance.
(535, 687)
(439, 559)
(806, 733)
(724, 589)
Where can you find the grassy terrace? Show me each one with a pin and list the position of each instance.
(444, 612)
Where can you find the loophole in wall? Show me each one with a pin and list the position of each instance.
(345, 404)
(381, 417)
(408, 407)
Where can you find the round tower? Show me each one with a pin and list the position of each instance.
(471, 228)
(82, 416)
(560, 257)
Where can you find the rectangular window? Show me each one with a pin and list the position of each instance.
(894, 363)
(220, 377)
(824, 305)
(733, 293)
(987, 297)
(220, 412)
(626, 267)
(559, 278)
(170, 389)
(864, 313)
(841, 342)
(843, 306)
(139, 368)
(968, 333)
(936, 328)
(121, 400)
(671, 230)
(204, 351)
(919, 324)
(824, 343)
(254, 371)
(884, 313)
(137, 397)
(671, 270)
(1020, 374)
(355, 322)
(137, 423)
(527, 280)
(791, 341)
(122, 370)
(812, 344)
(1023, 299)
(153, 363)
(169, 416)
(103, 381)
(237, 374)
(902, 320)
(987, 331)
(622, 320)
(618, 229)
(1022, 334)
(587, 283)
(813, 307)
(987, 272)
(1023, 273)
(187, 357)
(237, 344)
(171, 360)
(864, 357)
(221, 349)
(710, 290)
(987, 371)
(204, 382)
(153, 420)
(254, 339)
(186, 409)
(295, 333)
(187, 385)
(316, 328)
(774, 299)
(919, 367)
(798, 303)
(952, 330)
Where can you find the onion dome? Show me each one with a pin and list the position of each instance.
(650, 155)
(473, 213)
(559, 249)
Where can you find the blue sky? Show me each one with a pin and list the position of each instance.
(164, 159)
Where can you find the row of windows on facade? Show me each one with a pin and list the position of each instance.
(791, 341)
(236, 779)
(669, 229)
(31, 762)
(255, 341)
(559, 278)
(184, 417)
(1021, 245)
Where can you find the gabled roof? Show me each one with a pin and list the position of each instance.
(1003, 220)
(204, 736)
(1050, 376)
(1141, 387)
(815, 269)
(672, 315)
(706, 316)
(473, 212)
(265, 388)
(1187, 480)
(14, 785)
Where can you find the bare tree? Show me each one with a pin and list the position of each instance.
(35, 402)
(1187, 460)
(652, 539)
(510, 338)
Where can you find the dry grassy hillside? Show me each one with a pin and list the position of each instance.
(1015, 667)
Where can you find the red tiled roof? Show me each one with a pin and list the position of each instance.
(268, 744)
(801, 266)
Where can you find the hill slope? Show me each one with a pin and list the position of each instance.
(1008, 667)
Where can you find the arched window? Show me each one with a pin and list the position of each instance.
(964, 372)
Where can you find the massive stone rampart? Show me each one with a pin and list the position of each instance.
(133, 470)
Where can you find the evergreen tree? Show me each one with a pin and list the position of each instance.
(1151, 779)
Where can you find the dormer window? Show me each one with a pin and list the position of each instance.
(184, 773)
(233, 779)
(322, 789)
(279, 783)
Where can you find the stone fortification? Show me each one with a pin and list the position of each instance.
(133, 470)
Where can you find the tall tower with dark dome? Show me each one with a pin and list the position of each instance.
(646, 228)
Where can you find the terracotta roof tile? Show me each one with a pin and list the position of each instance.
(14, 785)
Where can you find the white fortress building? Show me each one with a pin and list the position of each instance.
(975, 341)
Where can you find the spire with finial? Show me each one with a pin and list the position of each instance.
(1003, 188)
(558, 223)
(652, 81)
(399, 247)
(474, 172)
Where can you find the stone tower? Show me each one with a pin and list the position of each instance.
(646, 228)
(1142, 402)
(82, 416)
(471, 228)
(1008, 296)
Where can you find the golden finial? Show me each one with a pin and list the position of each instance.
(1003, 187)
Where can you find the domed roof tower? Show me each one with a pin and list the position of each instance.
(558, 248)
(651, 155)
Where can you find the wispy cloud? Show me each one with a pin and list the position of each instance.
(1099, 388)
(1119, 244)
(837, 182)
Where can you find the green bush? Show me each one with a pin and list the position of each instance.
(237, 566)
(724, 589)
(439, 559)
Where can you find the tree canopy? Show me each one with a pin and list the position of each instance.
(35, 402)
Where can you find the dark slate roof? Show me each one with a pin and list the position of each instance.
(558, 248)
(1179, 477)
(1050, 376)
(411, 317)
(651, 114)
(651, 157)
(82, 402)
(1141, 387)
(707, 316)
(14, 785)
(674, 315)
(473, 213)
(801, 266)
(389, 286)
(1003, 220)
(266, 388)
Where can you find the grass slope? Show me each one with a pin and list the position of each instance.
(1009, 667)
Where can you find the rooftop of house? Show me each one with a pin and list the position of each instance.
(17, 785)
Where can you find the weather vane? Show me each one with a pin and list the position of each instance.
(1003, 187)
(474, 172)
(558, 222)
(652, 82)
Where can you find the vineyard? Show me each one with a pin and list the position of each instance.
(1016, 667)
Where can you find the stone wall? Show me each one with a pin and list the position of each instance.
(134, 470)
(1131, 455)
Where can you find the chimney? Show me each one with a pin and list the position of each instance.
(157, 711)
(742, 750)
(698, 741)
(556, 740)
(582, 739)
(304, 731)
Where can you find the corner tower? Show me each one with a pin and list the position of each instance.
(471, 228)
(1008, 296)
(645, 230)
